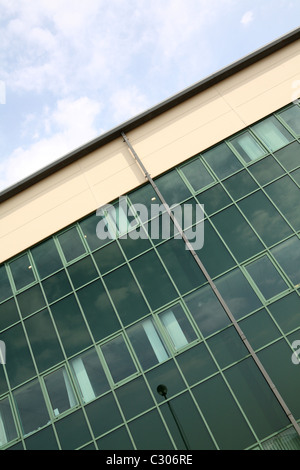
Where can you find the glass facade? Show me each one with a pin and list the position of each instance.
(93, 326)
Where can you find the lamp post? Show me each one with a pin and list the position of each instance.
(162, 390)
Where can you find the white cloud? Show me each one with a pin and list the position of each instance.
(247, 18)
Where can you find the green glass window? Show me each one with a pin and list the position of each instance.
(196, 364)
(89, 375)
(5, 289)
(118, 359)
(71, 244)
(149, 432)
(82, 272)
(153, 279)
(272, 133)
(134, 398)
(240, 184)
(147, 343)
(60, 391)
(70, 325)
(103, 414)
(134, 247)
(8, 430)
(197, 175)
(181, 265)
(289, 156)
(289, 204)
(31, 407)
(126, 295)
(177, 326)
(43, 440)
(172, 187)
(167, 374)
(265, 219)
(222, 160)
(260, 329)
(8, 314)
(287, 254)
(266, 170)
(257, 400)
(43, 340)
(73, 431)
(46, 258)
(237, 293)
(207, 310)
(248, 148)
(57, 286)
(227, 347)
(266, 277)
(98, 310)
(22, 272)
(222, 413)
(286, 312)
(214, 199)
(237, 233)
(196, 435)
(89, 230)
(118, 439)
(3, 382)
(296, 176)
(145, 196)
(291, 116)
(31, 301)
(19, 367)
(108, 257)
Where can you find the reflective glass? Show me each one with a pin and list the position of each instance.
(145, 196)
(56, 286)
(89, 229)
(222, 160)
(3, 382)
(289, 204)
(248, 148)
(82, 272)
(292, 118)
(71, 244)
(73, 431)
(31, 301)
(147, 343)
(22, 272)
(237, 233)
(60, 391)
(289, 156)
(89, 375)
(196, 364)
(167, 374)
(260, 329)
(177, 326)
(118, 359)
(134, 398)
(287, 254)
(296, 176)
(103, 414)
(207, 310)
(133, 247)
(149, 432)
(227, 347)
(286, 312)
(5, 289)
(197, 175)
(214, 199)
(8, 314)
(240, 184)
(266, 277)
(118, 439)
(272, 133)
(266, 170)
(172, 187)
(43, 440)
(46, 258)
(31, 407)
(265, 219)
(7, 426)
(108, 257)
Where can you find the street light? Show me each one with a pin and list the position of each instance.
(162, 390)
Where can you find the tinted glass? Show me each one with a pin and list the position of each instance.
(73, 431)
(177, 326)
(287, 255)
(214, 199)
(71, 244)
(172, 187)
(31, 301)
(227, 347)
(248, 148)
(197, 174)
(222, 160)
(196, 364)
(57, 286)
(109, 257)
(266, 277)
(8, 314)
(289, 204)
(118, 439)
(167, 374)
(22, 272)
(289, 156)
(266, 170)
(46, 258)
(103, 414)
(240, 184)
(291, 116)
(149, 432)
(296, 176)
(272, 133)
(134, 398)
(89, 227)
(286, 312)
(260, 329)
(5, 289)
(43, 440)
(31, 407)
(7, 425)
(82, 272)
(60, 391)
(118, 359)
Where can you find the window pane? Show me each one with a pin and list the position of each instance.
(227, 347)
(134, 398)
(22, 272)
(172, 188)
(60, 391)
(31, 407)
(237, 293)
(197, 175)
(247, 147)
(73, 431)
(145, 196)
(266, 277)
(289, 204)
(57, 286)
(222, 160)
(71, 244)
(7, 426)
(286, 312)
(109, 257)
(296, 176)
(196, 364)
(292, 117)
(5, 289)
(118, 359)
(214, 199)
(287, 254)
(31, 301)
(272, 133)
(43, 440)
(289, 156)
(266, 220)
(149, 432)
(46, 258)
(207, 311)
(82, 272)
(103, 414)
(236, 232)
(89, 229)
(177, 326)
(240, 184)
(147, 343)
(89, 375)
(118, 439)
(126, 295)
(266, 170)
(260, 329)
(8, 314)
(132, 247)
(167, 374)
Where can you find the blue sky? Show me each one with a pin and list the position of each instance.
(72, 69)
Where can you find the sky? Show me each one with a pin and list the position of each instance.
(71, 70)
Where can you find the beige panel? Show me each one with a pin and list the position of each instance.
(165, 141)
